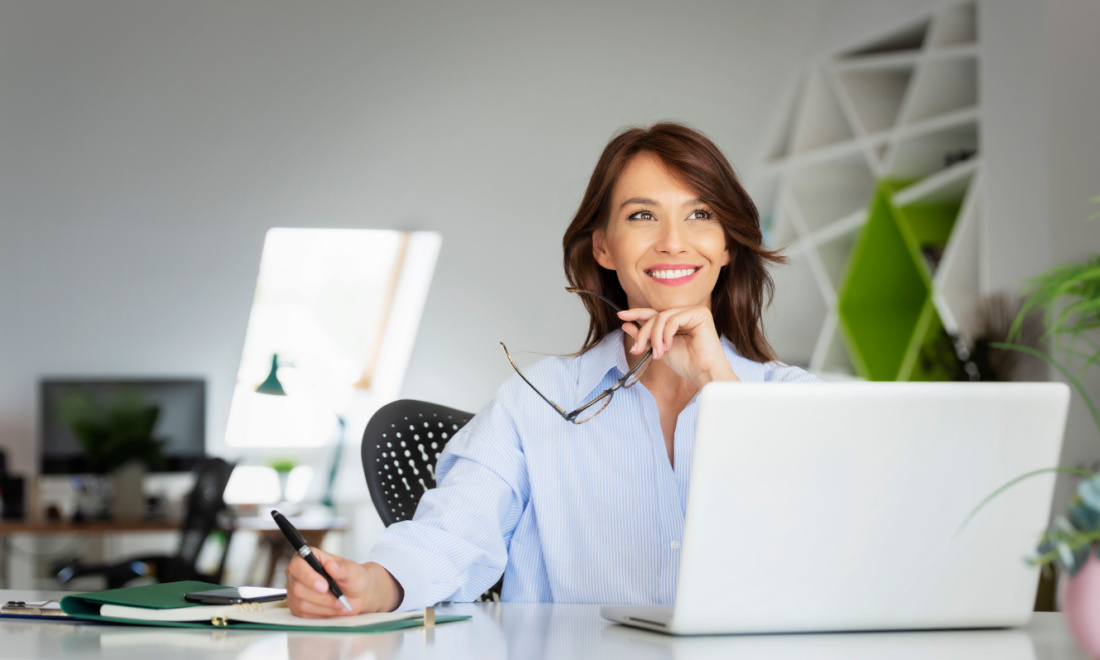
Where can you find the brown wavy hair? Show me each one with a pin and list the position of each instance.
(744, 286)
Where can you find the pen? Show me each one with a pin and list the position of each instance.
(302, 548)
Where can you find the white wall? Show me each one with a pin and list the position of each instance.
(147, 147)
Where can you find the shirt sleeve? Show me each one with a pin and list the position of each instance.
(456, 545)
(777, 372)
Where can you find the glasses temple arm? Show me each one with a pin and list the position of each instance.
(543, 396)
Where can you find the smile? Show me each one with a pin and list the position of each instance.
(677, 274)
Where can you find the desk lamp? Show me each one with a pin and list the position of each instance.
(272, 386)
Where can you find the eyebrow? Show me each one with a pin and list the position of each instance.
(645, 201)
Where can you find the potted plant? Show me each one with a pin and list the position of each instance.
(1068, 297)
(118, 439)
(283, 467)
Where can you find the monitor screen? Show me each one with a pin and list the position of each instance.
(180, 422)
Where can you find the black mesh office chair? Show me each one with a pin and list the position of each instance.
(204, 507)
(401, 445)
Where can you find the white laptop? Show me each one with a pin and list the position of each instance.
(840, 507)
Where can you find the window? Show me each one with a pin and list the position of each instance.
(340, 308)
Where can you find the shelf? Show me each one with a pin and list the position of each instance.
(843, 226)
(879, 207)
(832, 190)
(830, 355)
(944, 86)
(955, 25)
(948, 184)
(924, 151)
(929, 348)
(884, 61)
(796, 314)
(876, 95)
(785, 227)
(815, 156)
(910, 38)
(822, 121)
(928, 228)
(764, 192)
(958, 281)
(835, 256)
(884, 292)
(962, 51)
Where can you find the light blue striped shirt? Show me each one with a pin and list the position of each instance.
(572, 513)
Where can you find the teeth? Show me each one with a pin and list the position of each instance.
(671, 274)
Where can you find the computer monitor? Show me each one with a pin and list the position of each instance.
(181, 421)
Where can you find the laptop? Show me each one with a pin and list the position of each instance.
(840, 507)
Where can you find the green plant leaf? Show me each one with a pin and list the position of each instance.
(1073, 381)
(989, 498)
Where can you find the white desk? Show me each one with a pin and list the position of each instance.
(513, 630)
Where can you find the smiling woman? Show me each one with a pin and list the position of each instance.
(588, 506)
(702, 209)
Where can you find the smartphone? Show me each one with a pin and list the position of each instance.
(234, 595)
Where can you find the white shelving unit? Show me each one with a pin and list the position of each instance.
(901, 108)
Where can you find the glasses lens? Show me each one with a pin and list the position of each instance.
(593, 409)
(633, 378)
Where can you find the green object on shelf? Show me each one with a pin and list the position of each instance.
(885, 304)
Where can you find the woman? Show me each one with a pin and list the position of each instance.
(590, 508)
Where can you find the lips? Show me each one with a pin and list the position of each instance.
(672, 274)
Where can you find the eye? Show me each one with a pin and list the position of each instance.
(640, 215)
(700, 214)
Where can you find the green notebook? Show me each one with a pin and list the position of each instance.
(163, 605)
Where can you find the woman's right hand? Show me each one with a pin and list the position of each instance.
(369, 587)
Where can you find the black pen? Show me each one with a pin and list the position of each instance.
(302, 548)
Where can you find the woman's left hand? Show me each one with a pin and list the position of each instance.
(684, 338)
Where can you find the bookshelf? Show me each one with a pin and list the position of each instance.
(871, 183)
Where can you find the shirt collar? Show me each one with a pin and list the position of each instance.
(608, 354)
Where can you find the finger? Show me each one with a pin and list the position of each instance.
(315, 611)
(673, 325)
(656, 338)
(308, 589)
(637, 314)
(630, 329)
(298, 570)
(643, 336)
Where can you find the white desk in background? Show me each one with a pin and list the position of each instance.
(518, 630)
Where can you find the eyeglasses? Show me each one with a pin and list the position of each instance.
(596, 405)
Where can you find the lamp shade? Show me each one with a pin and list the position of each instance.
(271, 384)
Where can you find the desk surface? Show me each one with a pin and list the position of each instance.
(515, 630)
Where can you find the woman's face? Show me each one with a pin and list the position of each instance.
(661, 240)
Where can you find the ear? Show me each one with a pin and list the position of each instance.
(599, 249)
(725, 260)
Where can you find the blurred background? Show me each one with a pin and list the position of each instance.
(149, 147)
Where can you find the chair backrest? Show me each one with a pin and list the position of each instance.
(401, 444)
(204, 503)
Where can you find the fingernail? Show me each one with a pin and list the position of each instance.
(320, 585)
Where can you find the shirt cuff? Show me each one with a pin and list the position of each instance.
(404, 568)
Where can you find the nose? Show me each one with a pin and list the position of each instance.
(671, 239)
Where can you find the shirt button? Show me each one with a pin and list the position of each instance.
(675, 545)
